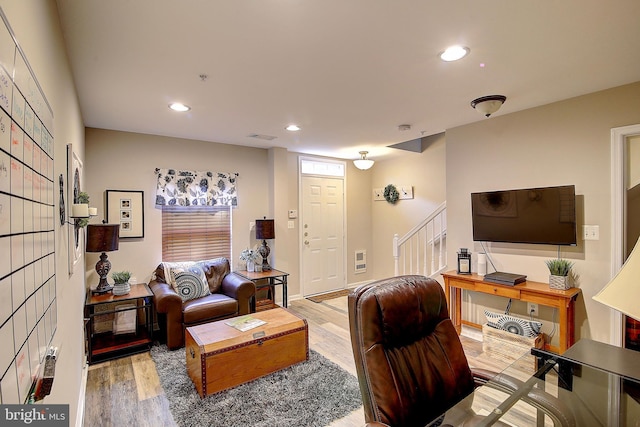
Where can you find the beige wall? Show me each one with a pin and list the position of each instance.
(35, 24)
(267, 186)
(566, 142)
(127, 161)
(426, 173)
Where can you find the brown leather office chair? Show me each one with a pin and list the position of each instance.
(409, 359)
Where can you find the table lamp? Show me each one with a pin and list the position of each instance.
(265, 229)
(622, 292)
(103, 238)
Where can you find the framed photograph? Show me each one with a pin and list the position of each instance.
(127, 209)
(76, 234)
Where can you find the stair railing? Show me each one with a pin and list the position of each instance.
(423, 249)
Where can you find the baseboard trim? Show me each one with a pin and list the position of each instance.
(349, 286)
(471, 332)
(81, 395)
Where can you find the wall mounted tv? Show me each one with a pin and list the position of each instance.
(544, 215)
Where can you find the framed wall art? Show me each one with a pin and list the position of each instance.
(126, 207)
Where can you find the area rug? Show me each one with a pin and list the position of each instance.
(329, 295)
(312, 393)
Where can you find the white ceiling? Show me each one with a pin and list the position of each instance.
(347, 71)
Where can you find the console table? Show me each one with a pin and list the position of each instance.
(536, 292)
(267, 279)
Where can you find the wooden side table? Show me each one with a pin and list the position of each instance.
(267, 279)
(536, 292)
(125, 337)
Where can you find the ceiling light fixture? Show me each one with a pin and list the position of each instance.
(454, 53)
(488, 105)
(177, 106)
(363, 163)
(293, 128)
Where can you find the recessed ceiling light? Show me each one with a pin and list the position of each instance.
(453, 53)
(176, 106)
(293, 128)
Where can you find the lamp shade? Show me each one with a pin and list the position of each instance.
(363, 163)
(623, 291)
(488, 105)
(265, 229)
(102, 237)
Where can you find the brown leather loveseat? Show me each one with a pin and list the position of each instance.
(230, 295)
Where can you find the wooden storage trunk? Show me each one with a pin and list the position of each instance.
(505, 345)
(220, 357)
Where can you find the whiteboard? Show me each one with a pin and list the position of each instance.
(28, 314)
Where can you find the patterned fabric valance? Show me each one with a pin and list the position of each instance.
(193, 188)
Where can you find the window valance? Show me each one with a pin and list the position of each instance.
(195, 188)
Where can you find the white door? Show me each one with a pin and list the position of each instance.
(322, 225)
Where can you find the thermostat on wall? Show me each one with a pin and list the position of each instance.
(293, 213)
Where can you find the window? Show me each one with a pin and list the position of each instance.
(322, 168)
(195, 233)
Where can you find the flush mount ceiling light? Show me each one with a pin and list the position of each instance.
(293, 128)
(488, 105)
(177, 106)
(453, 53)
(363, 163)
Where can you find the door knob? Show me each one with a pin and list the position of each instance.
(306, 242)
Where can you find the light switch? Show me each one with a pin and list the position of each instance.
(591, 232)
(290, 224)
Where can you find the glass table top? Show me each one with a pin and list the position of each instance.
(587, 394)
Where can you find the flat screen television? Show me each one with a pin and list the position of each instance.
(544, 215)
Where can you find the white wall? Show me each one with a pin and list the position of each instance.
(36, 25)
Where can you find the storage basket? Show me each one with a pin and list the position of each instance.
(504, 345)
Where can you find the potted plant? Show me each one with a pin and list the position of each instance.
(82, 199)
(559, 270)
(121, 284)
(250, 256)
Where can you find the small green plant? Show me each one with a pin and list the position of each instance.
(559, 266)
(121, 277)
(83, 198)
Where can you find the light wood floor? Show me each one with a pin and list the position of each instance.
(127, 391)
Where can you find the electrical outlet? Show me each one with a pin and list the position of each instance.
(532, 308)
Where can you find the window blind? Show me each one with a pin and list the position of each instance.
(196, 233)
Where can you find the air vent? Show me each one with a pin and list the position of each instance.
(260, 136)
(360, 261)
